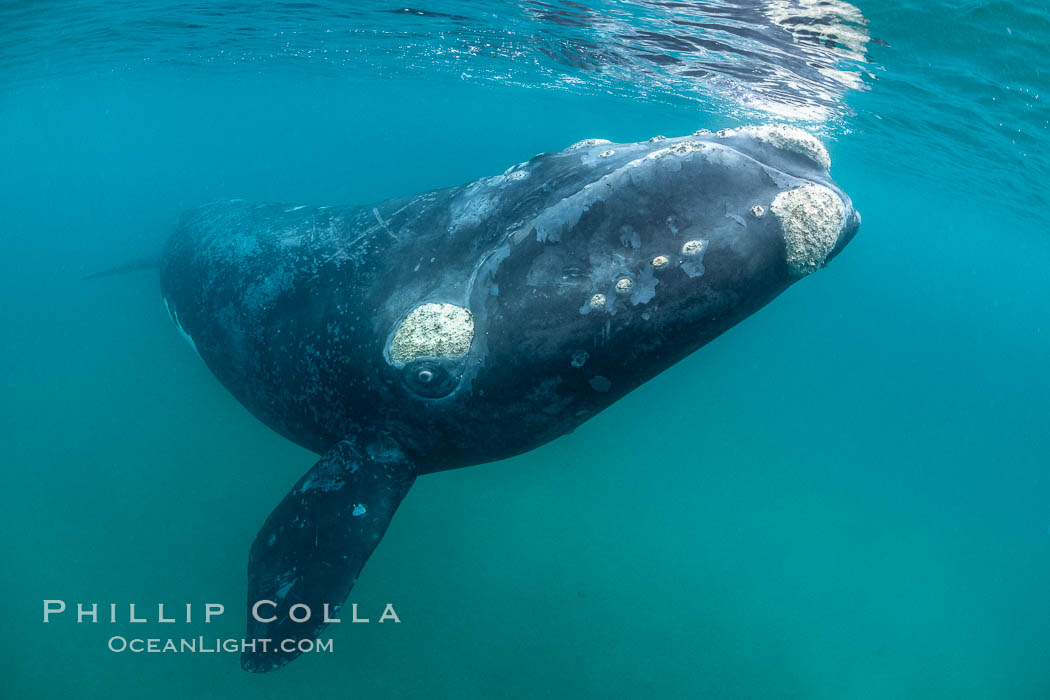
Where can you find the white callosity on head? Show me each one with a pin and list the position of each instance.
(811, 217)
(433, 330)
(686, 147)
(587, 143)
(690, 248)
(791, 138)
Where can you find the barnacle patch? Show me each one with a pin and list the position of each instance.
(587, 143)
(791, 138)
(691, 248)
(433, 330)
(811, 217)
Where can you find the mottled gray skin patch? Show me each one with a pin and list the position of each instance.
(294, 309)
(629, 238)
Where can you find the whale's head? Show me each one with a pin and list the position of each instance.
(667, 203)
(643, 252)
(612, 261)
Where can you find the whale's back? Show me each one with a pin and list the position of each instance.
(272, 297)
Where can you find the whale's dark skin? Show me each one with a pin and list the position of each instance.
(299, 311)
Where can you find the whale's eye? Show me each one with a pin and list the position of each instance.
(431, 378)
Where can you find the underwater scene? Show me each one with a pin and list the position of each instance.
(701, 347)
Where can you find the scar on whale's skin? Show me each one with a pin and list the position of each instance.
(433, 330)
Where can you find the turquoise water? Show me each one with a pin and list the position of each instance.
(844, 497)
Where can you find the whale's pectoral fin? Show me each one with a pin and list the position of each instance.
(314, 544)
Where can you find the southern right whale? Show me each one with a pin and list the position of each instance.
(469, 324)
